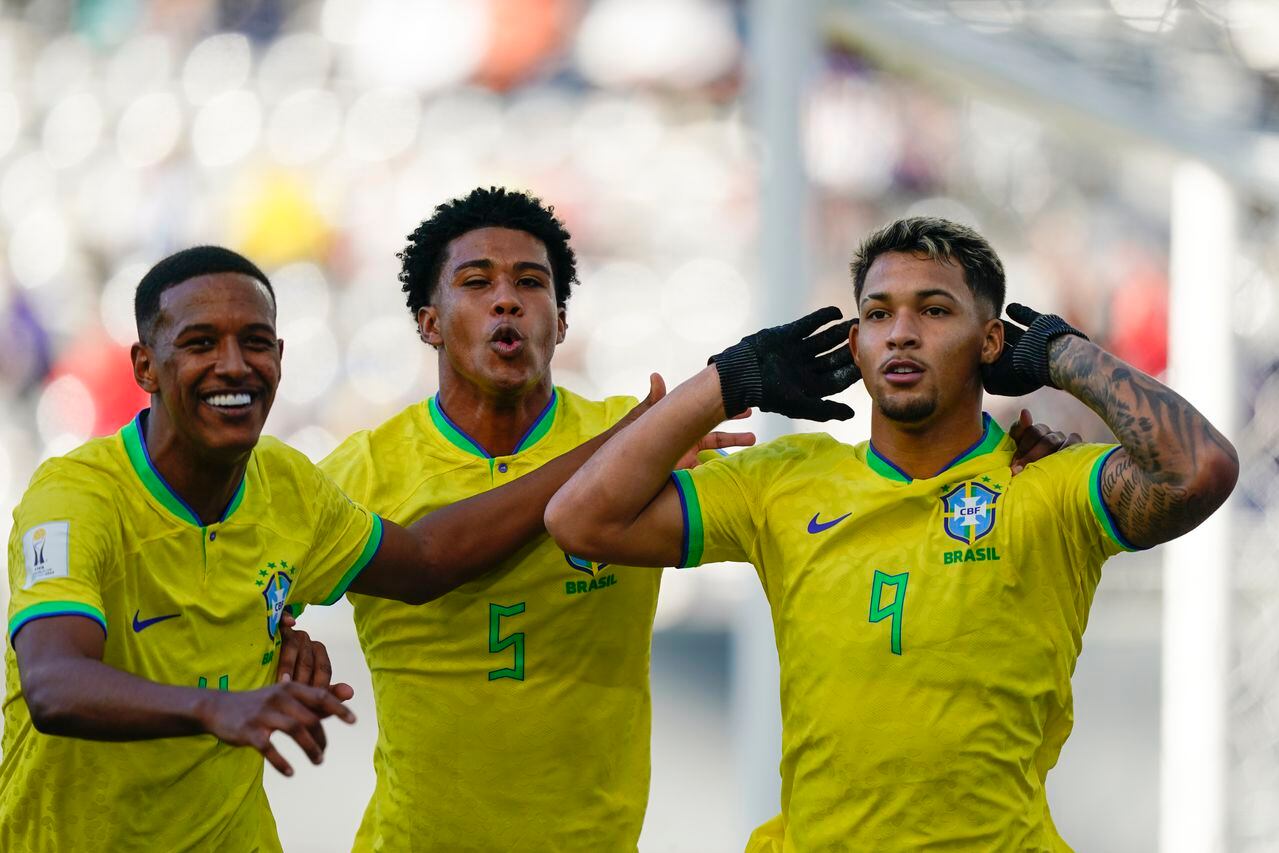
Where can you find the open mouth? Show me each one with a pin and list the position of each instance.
(506, 341)
(903, 372)
(230, 402)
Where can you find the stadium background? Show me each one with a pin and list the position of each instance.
(716, 163)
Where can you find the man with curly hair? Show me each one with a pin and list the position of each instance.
(513, 712)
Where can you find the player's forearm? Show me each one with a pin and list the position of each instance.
(1178, 466)
(86, 698)
(602, 501)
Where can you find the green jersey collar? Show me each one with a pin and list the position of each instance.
(992, 434)
(459, 439)
(135, 445)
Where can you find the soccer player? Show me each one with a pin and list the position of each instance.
(150, 570)
(525, 692)
(928, 607)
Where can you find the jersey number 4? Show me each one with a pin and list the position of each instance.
(896, 609)
(498, 643)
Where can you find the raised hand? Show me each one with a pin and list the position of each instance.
(717, 440)
(790, 369)
(1035, 441)
(714, 440)
(1022, 367)
(656, 391)
(249, 718)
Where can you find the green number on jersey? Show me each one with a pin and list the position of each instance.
(498, 643)
(878, 612)
(222, 682)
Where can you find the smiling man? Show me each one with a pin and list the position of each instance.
(149, 572)
(929, 607)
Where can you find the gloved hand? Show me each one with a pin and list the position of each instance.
(783, 369)
(1023, 365)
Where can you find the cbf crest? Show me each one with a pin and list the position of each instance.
(584, 565)
(969, 511)
(276, 594)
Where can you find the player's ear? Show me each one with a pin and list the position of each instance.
(993, 341)
(144, 368)
(852, 342)
(428, 326)
(562, 323)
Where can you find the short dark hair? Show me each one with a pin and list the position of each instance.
(941, 240)
(182, 266)
(495, 207)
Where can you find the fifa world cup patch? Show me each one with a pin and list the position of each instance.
(968, 510)
(45, 552)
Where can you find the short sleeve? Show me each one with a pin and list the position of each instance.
(1070, 482)
(65, 535)
(718, 500)
(350, 466)
(345, 537)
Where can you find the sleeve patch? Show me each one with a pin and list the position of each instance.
(45, 552)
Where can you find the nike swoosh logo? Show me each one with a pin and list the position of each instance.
(816, 526)
(147, 623)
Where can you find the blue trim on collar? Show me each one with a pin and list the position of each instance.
(140, 422)
(547, 410)
(985, 434)
(537, 422)
(884, 459)
(236, 497)
(439, 407)
(986, 420)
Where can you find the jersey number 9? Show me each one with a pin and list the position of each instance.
(878, 612)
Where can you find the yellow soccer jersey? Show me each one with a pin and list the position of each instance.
(927, 631)
(513, 712)
(100, 534)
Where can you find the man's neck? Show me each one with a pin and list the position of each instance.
(497, 422)
(206, 484)
(923, 450)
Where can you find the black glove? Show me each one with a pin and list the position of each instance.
(783, 370)
(1023, 365)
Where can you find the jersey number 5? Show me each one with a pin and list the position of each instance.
(498, 643)
(878, 612)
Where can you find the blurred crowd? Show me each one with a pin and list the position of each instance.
(314, 135)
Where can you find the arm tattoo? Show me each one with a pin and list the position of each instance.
(1155, 486)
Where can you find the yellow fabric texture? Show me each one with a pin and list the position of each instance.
(289, 536)
(513, 712)
(926, 640)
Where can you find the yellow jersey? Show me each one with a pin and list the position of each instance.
(99, 534)
(927, 631)
(513, 713)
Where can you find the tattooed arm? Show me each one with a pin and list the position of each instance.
(1174, 468)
